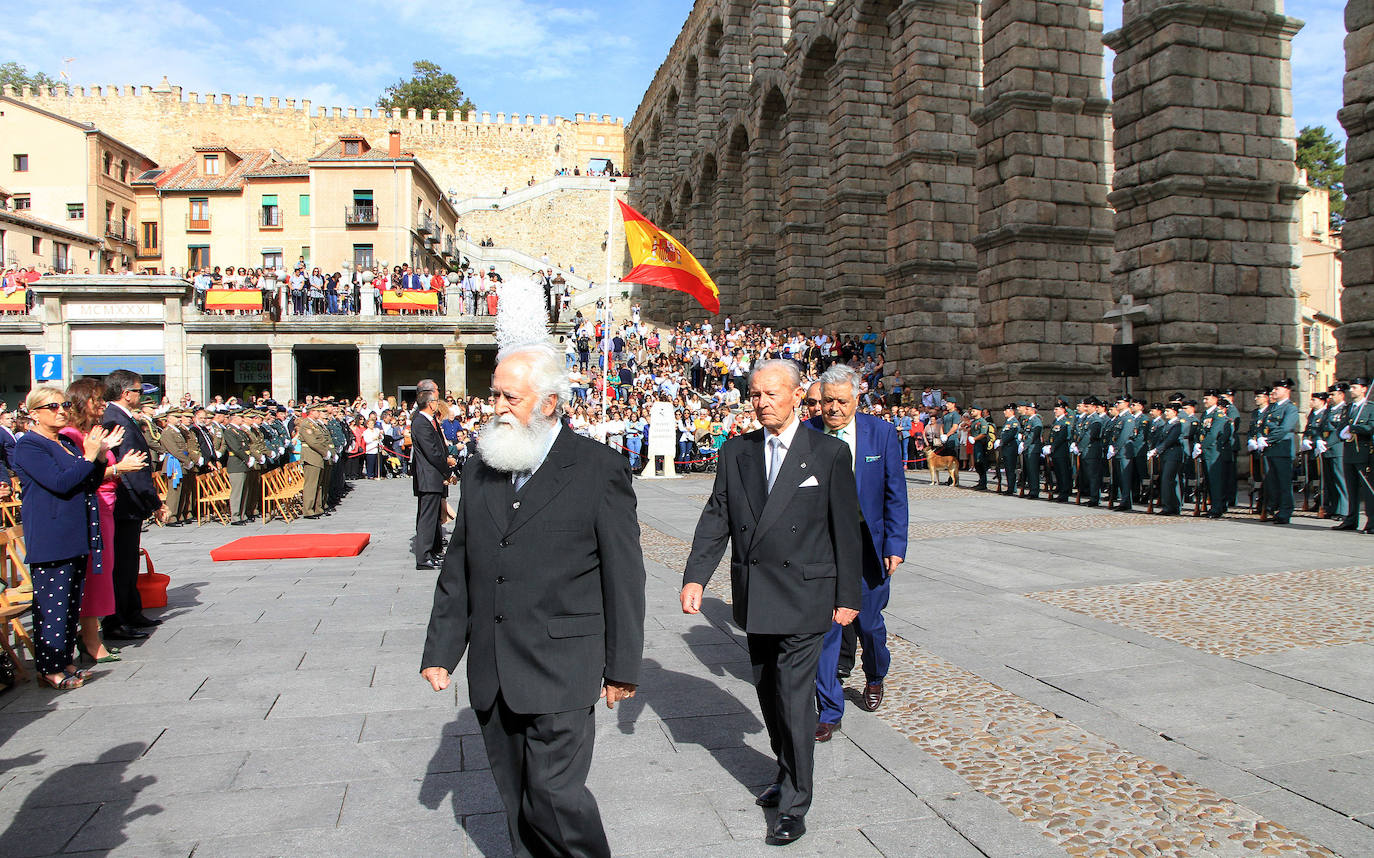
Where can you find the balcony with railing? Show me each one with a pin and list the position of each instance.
(423, 224)
(360, 215)
(149, 251)
(120, 231)
(271, 218)
(198, 223)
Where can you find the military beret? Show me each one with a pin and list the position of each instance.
(1285, 383)
(1171, 406)
(1062, 404)
(1262, 391)
(1339, 386)
(1011, 406)
(1211, 391)
(1191, 403)
(1361, 381)
(1156, 406)
(1321, 395)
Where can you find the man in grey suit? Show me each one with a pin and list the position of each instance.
(786, 501)
(543, 585)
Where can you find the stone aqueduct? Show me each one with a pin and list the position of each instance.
(944, 169)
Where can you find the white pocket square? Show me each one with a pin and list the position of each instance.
(809, 481)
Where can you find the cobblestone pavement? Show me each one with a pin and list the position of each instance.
(1240, 615)
(277, 711)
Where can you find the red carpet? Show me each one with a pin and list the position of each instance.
(294, 545)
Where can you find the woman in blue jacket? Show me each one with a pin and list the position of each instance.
(61, 527)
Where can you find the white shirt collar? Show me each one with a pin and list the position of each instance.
(786, 435)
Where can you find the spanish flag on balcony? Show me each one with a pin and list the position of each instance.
(234, 299)
(660, 260)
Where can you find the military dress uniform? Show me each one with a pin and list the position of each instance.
(174, 444)
(1331, 449)
(1126, 443)
(315, 448)
(981, 434)
(1358, 435)
(1280, 424)
(236, 446)
(1032, 431)
(1008, 438)
(1061, 459)
(1215, 441)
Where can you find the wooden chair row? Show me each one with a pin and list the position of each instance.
(212, 496)
(282, 491)
(16, 599)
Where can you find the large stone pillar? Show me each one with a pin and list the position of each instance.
(1205, 191)
(283, 373)
(929, 194)
(802, 267)
(456, 369)
(758, 269)
(369, 370)
(1355, 338)
(1044, 240)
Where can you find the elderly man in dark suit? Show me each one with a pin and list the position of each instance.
(543, 585)
(785, 499)
(430, 465)
(135, 499)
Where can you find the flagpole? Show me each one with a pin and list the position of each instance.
(606, 327)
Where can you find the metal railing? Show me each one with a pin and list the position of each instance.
(271, 217)
(197, 224)
(360, 215)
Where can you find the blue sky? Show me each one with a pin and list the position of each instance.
(528, 56)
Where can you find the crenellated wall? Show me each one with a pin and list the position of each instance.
(473, 156)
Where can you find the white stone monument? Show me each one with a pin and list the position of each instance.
(662, 441)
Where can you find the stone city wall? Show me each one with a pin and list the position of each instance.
(473, 156)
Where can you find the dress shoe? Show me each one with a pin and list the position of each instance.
(1345, 527)
(787, 829)
(429, 564)
(770, 796)
(1279, 521)
(873, 696)
(124, 633)
(237, 523)
(825, 732)
(143, 622)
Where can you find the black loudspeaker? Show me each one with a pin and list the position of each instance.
(1126, 361)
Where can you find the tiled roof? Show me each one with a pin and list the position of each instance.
(22, 219)
(281, 171)
(335, 153)
(187, 176)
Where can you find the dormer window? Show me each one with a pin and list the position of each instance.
(211, 165)
(352, 147)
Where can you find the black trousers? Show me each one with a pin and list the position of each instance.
(849, 648)
(1090, 474)
(980, 466)
(1218, 484)
(1124, 478)
(785, 677)
(1009, 465)
(1031, 479)
(540, 765)
(1063, 472)
(1358, 480)
(1170, 493)
(1278, 486)
(428, 530)
(124, 572)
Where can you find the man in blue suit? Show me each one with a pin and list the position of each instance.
(881, 483)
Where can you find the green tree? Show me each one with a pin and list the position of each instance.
(431, 87)
(1323, 159)
(17, 76)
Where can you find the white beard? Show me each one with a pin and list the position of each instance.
(507, 445)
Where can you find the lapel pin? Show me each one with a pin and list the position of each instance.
(803, 464)
(515, 505)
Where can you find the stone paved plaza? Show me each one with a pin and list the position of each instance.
(1065, 682)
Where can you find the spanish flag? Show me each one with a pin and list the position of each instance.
(660, 260)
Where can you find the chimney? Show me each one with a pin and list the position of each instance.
(393, 147)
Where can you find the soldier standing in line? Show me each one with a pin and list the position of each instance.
(1060, 456)
(1032, 429)
(259, 450)
(1214, 445)
(238, 464)
(1192, 464)
(1357, 431)
(1169, 453)
(1276, 445)
(173, 443)
(980, 433)
(314, 456)
(1095, 455)
(1124, 444)
(1139, 465)
(1307, 446)
(1008, 439)
(1331, 450)
(1256, 458)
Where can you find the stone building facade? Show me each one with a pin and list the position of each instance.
(955, 172)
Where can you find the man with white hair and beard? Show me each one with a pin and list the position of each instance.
(543, 586)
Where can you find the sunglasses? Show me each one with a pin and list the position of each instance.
(54, 406)
(811, 402)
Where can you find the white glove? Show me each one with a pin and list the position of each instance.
(1150, 454)
(997, 445)
(1307, 443)
(251, 460)
(1111, 452)
(200, 461)
(1197, 450)
(1045, 450)
(1021, 448)
(1346, 434)
(1073, 448)
(1252, 445)
(1262, 442)
(1321, 447)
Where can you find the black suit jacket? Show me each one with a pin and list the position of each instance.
(796, 553)
(429, 457)
(7, 440)
(544, 589)
(135, 492)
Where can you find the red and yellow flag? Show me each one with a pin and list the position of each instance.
(410, 301)
(234, 299)
(661, 260)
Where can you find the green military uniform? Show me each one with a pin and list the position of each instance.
(315, 451)
(1214, 438)
(237, 451)
(1008, 439)
(981, 434)
(1330, 449)
(179, 487)
(1358, 435)
(1280, 426)
(1061, 459)
(1032, 434)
